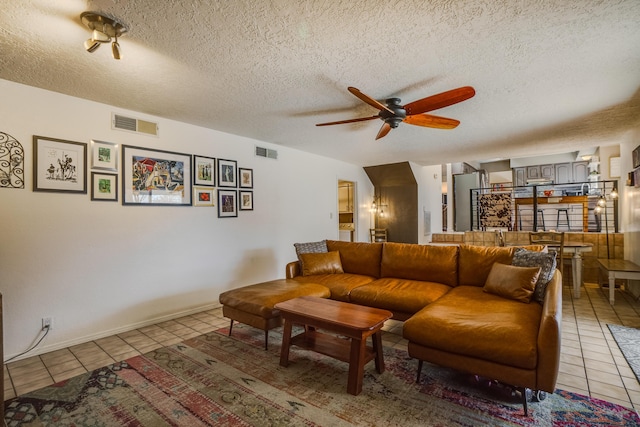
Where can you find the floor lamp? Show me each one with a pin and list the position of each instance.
(602, 205)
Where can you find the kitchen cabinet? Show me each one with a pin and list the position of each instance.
(519, 177)
(345, 198)
(533, 172)
(580, 171)
(548, 172)
(563, 173)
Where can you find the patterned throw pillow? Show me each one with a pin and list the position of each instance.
(310, 248)
(547, 263)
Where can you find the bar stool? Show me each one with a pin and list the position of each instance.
(541, 219)
(565, 219)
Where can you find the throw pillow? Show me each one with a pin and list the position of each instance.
(310, 248)
(321, 263)
(512, 282)
(545, 260)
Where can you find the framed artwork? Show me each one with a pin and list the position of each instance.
(204, 170)
(245, 176)
(227, 173)
(227, 203)
(59, 165)
(104, 187)
(155, 177)
(203, 196)
(246, 200)
(104, 155)
(635, 157)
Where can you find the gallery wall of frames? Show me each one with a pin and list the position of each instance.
(132, 175)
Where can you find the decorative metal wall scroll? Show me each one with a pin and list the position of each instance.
(11, 162)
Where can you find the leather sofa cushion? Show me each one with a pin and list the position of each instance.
(516, 283)
(399, 295)
(340, 285)
(358, 258)
(474, 323)
(427, 263)
(321, 263)
(475, 262)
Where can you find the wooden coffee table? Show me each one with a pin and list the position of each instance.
(349, 320)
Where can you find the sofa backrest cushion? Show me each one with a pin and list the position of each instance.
(357, 257)
(508, 281)
(428, 263)
(321, 263)
(475, 262)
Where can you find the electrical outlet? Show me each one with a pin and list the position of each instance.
(47, 323)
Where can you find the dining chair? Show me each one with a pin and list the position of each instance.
(550, 238)
(378, 234)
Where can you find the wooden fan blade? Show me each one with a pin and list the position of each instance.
(440, 100)
(369, 100)
(427, 120)
(361, 119)
(384, 130)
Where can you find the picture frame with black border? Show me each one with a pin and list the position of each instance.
(245, 178)
(204, 170)
(227, 203)
(104, 187)
(104, 155)
(59, 165)
(203, 196)
(246, 200)
(227, 173)
(155, 177)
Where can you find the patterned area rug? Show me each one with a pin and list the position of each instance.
(215, 380)
(628, 340)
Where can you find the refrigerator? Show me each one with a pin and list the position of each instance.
(462, 203)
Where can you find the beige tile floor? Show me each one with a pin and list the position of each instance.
(591, 362)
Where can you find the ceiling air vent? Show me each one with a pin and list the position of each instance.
(266, 152)
(134, 125)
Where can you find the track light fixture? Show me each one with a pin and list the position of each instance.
(103, 30)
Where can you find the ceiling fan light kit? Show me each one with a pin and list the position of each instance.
(393, 113)
(104, 29)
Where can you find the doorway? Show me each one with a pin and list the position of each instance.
(347, 210)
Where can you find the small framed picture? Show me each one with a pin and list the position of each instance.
(59, 165)
(227, 173)
(104, 187)
(203, 196)
(104, 155)
(227, 203)
(246, 200)
(245, 177)
(204, 171)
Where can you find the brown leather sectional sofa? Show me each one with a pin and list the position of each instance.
(450, 317)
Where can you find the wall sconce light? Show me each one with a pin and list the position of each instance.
(377, 207)
(103, 30)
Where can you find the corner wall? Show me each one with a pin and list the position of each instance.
(630, 205)
(100, 268)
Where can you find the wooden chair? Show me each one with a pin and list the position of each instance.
(378, 234)
(550, 238)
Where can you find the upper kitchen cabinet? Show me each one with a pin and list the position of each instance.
(519, 177)
(563, 172)
(548, 172)
(580, 171)
(533, 172)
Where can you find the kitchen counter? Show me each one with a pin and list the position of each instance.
(549, 207)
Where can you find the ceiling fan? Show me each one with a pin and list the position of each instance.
(413, 113)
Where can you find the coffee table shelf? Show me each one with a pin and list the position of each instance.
(329, 345)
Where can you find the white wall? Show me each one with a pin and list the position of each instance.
(429, 181)
(99, 268)
(630, 204)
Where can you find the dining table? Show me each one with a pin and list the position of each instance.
(576, 250)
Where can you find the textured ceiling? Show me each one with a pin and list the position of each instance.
(550, 76)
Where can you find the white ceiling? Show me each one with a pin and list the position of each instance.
(550, 75)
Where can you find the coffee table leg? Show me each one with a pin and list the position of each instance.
(356, 366)
(286, 343)
(377, 346)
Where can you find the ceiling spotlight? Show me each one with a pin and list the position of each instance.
(103, 30)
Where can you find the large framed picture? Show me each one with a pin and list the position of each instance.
(227, 173)
(204, 171)
(155, 177)
(245, 176)
(203, 196)
(227, 203)
(246, 200)
(104, 155)
(104, 187)
(59, 165)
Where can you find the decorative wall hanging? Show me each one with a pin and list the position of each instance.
(11, 162)
(227, 173)
(104, 155)
(155, 177)
(246, 200)
(204, 170)
(245, 177)
(59, 165)
(495, 210)
(203, 196)
(104, 187)
(227, 203)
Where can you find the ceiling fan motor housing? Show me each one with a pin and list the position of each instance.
(399, 113)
